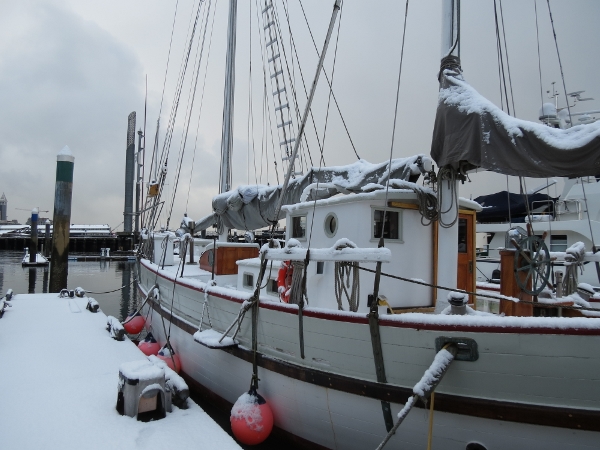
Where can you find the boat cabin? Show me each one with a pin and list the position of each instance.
(359, 217)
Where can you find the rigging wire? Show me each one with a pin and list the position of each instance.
(537, 36)
(512, 97)
(387, 185)
(500, 61)
(329, 83)
(187, 120)
(286, 60)
(305, 149)
(212, 28)
(562, 75)
(293, 46)
(162, 97)
(171, 124)
(322, 159)
(266, 102)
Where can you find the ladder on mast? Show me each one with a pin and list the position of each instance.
(282, 110)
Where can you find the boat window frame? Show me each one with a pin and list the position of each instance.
(399, 211)
(298, 216)
(326, 224)
(272, 282)
(562, 242)
(246, 285)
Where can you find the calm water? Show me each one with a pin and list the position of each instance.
(94, 277)
(102, 276)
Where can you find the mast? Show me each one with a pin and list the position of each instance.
(228, 101)
(448, 188)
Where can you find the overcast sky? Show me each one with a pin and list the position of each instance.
(72, 70)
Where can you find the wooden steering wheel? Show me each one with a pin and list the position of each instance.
(532, 258)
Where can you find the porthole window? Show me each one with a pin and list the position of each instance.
(331, 224)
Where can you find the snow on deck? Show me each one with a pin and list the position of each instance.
(60, 372)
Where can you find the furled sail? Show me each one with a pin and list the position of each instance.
(472, 131)
(253, 206)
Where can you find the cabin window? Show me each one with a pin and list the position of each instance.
(558, 243)
(331, 225)
(320, 267)
(248, 280)
(272, 287)
(391, 227)
(299, 227)
(462, 236)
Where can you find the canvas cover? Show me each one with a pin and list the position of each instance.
(472, 131)
(253, 207)
(504, 207)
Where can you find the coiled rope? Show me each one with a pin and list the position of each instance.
(343, 272)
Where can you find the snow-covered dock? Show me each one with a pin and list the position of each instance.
(60, 374)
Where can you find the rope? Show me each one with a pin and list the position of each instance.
(296, 291)
(346, 270)
(110, 292)
(449, 174)
(495, 297)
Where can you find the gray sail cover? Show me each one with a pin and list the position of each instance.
(470, 129)
(253, 206)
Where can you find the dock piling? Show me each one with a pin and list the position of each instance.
(33, 241)
(59, 269)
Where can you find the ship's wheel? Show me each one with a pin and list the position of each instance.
(532, 258)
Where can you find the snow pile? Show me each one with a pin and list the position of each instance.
(210, 338)
(246, 408)
(141, 370)
(434, 374)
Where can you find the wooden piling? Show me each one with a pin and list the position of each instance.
(63, 193)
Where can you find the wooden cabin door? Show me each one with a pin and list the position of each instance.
(466, 252)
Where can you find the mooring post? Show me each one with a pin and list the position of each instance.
(47, 239)
(63, 192)
(33, 242)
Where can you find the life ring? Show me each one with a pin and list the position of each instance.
(284, 281)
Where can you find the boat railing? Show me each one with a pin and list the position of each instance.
(567, 207)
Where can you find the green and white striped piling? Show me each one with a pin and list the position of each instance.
(63, 192)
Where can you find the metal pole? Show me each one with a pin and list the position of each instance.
(228, 102)
(138, 190)
(59, 270)
(336, 8)
(447, 236)
(33, 242)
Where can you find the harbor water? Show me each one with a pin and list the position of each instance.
(96, 277)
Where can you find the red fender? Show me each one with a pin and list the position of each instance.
(284, 281)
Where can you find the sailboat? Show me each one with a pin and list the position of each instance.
(341, 326)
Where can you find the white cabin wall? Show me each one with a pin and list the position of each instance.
(412, 256)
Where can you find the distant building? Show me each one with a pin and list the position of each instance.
(3, 207)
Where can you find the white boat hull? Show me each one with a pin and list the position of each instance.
(547, 380)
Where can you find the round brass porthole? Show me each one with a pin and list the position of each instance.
(331, 224)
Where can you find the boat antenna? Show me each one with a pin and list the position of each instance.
(336, 8)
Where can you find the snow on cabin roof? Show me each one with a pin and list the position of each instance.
(403, 195)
